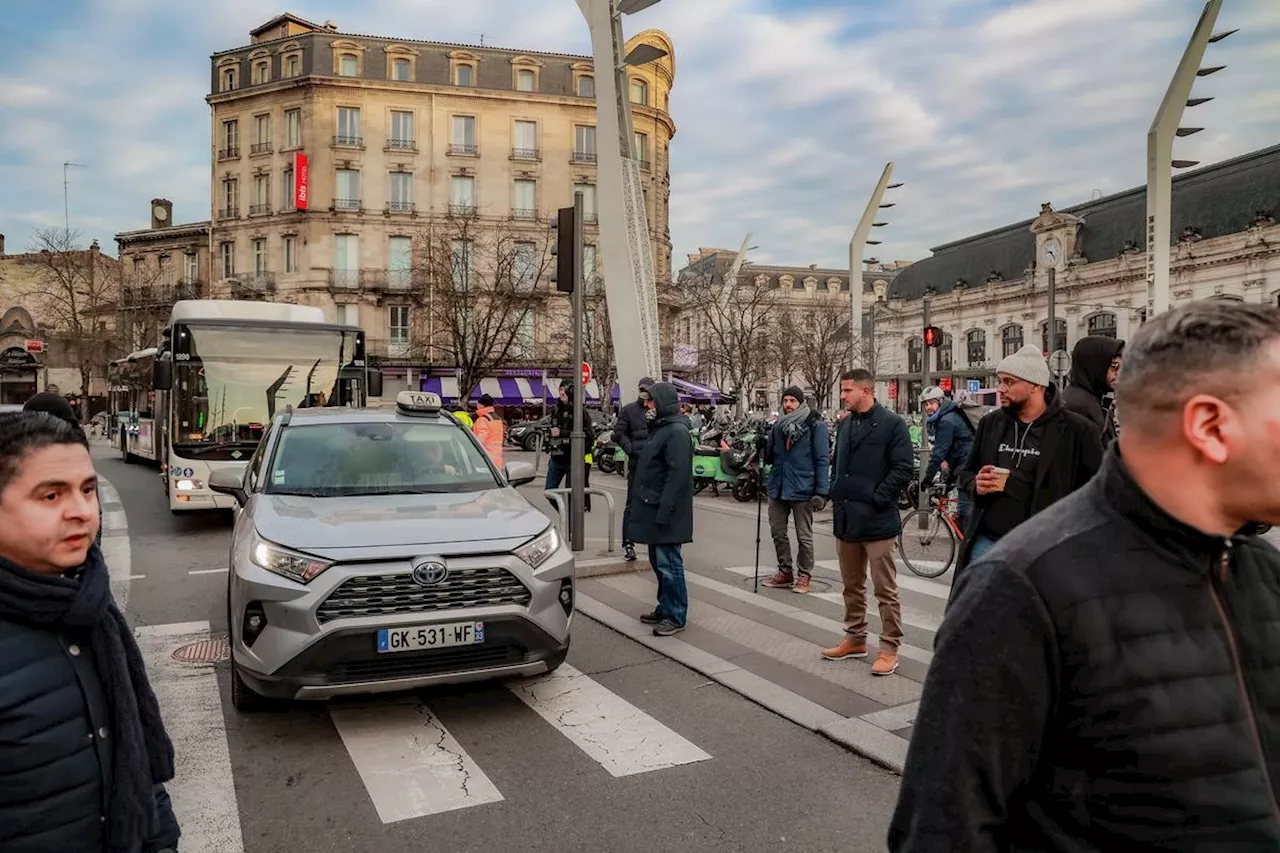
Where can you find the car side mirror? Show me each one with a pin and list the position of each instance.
(229, 482)
(520, 473)
(375, 383)
(162, 374)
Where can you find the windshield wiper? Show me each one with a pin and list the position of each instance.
(202, 449)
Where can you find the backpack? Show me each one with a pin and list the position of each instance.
(973, 412)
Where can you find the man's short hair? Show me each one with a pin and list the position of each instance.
(1212, 346)
(859, 375)
(23, 432)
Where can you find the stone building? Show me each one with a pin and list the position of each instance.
(989, 293)
(159, 265)
(398, 138)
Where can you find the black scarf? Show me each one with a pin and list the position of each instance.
(143, 754)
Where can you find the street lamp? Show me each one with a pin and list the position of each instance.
(630, 290)
(860, 242)
(1160, 163)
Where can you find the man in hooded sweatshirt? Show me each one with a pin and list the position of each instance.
(1095, 364)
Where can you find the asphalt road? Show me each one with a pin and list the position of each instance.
(535, 773)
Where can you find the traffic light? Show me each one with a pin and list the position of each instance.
(565, 226)
(932, 336)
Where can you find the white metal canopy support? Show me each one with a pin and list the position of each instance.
(731, 277)
(856, 247)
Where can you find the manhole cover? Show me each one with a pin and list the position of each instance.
(818, 584)
(214, 650)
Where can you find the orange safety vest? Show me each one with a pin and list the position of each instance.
(489, 428)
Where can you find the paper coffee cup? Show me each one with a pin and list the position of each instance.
(1003, 474)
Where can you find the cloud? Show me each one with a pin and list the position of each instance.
(787, 109)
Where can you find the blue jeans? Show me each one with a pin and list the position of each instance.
(673, 595)
(981, 545)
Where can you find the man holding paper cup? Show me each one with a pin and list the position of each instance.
(1027, 455)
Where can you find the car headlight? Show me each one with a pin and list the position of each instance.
(286, 563)
(538, 550)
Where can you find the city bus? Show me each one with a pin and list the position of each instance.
(221, 371)
(131, 405)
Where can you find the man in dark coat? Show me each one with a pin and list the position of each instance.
(559, 456)
(1095, 363)
(873, 461)
(83, 750)
(1107, 681)
(1026, 455)
(631, 432)
(799, 449)
(662, 505)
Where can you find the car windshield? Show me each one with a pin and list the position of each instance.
(377, 458)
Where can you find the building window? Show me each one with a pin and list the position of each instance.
(1011, 339)
(293, 128)
(977, 341)
(401, 191)
(584, 143)
(400, 70)
(292, 66)
(228, 80)
(398, 327)
(230, 139)
(524, 267)
(261, 194)
(462, 195)
(289, 202)
(191, 268)
(588, 200)
(227, 258)
(348, 65)
(589, 270)
(586, 86)
(464, 75)
(1059, 338)
(346, 194)
(642, 149)
(346, 260)
(461, 263)
(401, 130)
(261, 134)
(1103, 325)
(464, 135)
(524, 339)
(166, 271)
(348, 126)
(524, 199)
(261, 73)
(259, 255)
(348, 314)
(915, 356)
(525, 80)
(399, 262)
(525, 143)
(639, 92)
(290, 254)
(945, 353)
(230, 198)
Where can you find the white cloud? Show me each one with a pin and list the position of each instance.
(786, 113)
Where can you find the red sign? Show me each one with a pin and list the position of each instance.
(945, 383)
(301, 181)
(893, 389)
(35, 346)
(586, 373)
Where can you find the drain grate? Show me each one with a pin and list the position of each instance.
(213, 650)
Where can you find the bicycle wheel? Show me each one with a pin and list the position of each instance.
(928, 552)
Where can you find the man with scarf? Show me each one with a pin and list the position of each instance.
(85, 753)
(798, 448)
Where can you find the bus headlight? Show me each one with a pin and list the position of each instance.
(188, 485)
(283, 562)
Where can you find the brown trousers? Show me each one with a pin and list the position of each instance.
(854, 558)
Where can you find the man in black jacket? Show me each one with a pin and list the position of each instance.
(1095, 363)
(631, 433)
(1108, 681)
(873, 461)
(1027, 455)
(559, 456)
(83, 750)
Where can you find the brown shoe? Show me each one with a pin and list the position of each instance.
(802, 583)
(780, 580)
(848, 648)
(886, 664)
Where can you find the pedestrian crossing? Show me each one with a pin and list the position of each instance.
(411, 763)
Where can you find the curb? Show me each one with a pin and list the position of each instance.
(595, 567)
(878, 746)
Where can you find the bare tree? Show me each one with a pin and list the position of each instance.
(735, 320)
(74, 292)
(827, 353)
(787, 339)
(476, 283)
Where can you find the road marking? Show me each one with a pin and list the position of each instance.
(208, 571)
(931, 588)
(409, 762)
(621, 737)
(897, 717)
(204, 795)
(115, 545)
(137, 577)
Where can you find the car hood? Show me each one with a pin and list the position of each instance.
(385, 526)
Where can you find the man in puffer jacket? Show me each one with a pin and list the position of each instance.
(799, 449)
(83, 750)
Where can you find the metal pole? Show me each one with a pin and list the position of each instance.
(922, 500)
(577, 438)
(856, 247)
(1051, 329)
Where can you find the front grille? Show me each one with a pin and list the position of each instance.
(412, 664)
(397, 595)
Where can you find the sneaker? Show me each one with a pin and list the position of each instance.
(802, 583)
(780, 580)
(886, 664)
(629, 553)
(848, 648)
(651, 618)
(666, 628)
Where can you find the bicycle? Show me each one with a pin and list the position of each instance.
(932, 548)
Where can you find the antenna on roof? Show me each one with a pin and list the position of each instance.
(481, 39)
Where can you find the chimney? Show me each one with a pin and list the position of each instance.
(161, 212)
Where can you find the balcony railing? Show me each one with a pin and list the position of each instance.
(462, 210)
(645, 163)
(390, 280)
(156, 295)
(402, 145)
(464, 149)
(344, 279)
(344, 141)
(260, 148)
(259, 209)
(584, 156)
(524, 213)
(590, 216)
(400, 206)
(228, 153)
(346, 204)
(262, 282)
(524, 153)
(229, 213)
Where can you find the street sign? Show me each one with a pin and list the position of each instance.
(945, 383)
(1059, 363)
(35, 346)
(586, 373)
(974, 386)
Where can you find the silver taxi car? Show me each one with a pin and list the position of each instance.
(380, 549)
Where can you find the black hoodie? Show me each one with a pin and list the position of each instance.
(1087, 382)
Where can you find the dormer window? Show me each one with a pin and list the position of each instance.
(586, 86)
(348, 65)
(525, 80)
(400, 70)
(228, 79)
(261, 73)
(464, 75)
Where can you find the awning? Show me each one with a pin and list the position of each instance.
(694, 391)
(507, 390)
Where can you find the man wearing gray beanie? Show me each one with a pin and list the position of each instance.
(1026, 455)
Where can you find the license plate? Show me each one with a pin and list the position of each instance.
(418, 637)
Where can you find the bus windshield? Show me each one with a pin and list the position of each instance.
(230, 381)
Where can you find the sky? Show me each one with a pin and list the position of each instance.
(786, 110)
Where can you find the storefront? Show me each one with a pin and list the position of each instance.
(19, 375)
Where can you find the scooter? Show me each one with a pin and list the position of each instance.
(707, 470)
(607, 453)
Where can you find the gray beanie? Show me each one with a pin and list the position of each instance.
(1027, 363)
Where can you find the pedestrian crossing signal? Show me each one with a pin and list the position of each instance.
(932, 336)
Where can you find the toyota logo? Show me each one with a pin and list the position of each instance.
(430, 573)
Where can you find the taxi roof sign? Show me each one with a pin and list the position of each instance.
(418, 401)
